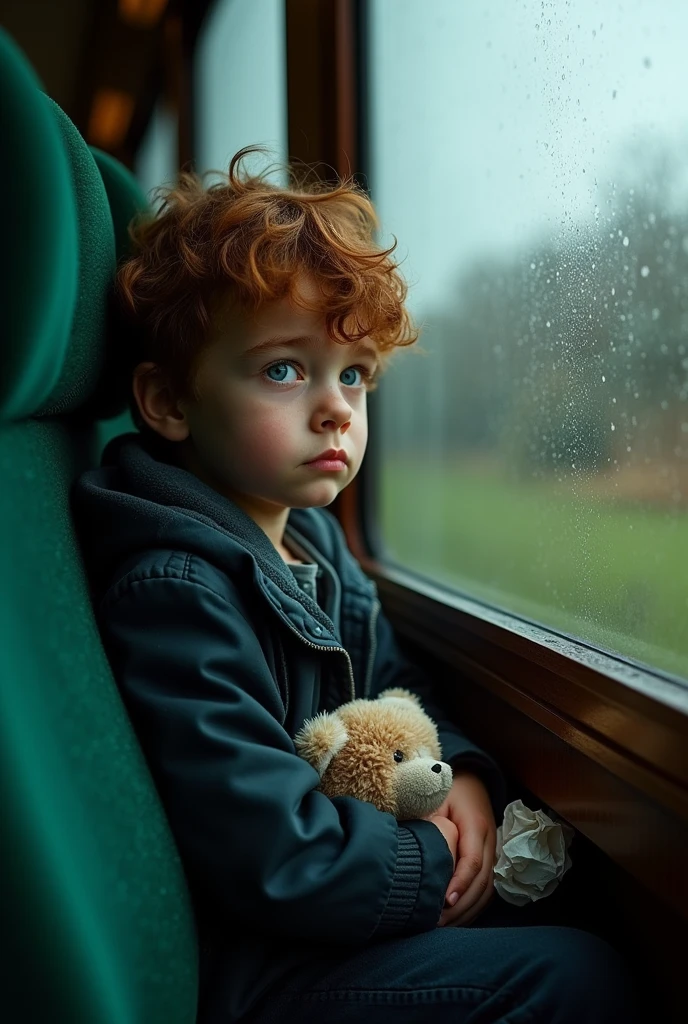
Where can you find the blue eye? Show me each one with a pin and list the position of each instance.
(351, 369)
(279, 380)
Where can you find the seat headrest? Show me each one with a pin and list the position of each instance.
(125, 196)
(126, 200)
(38, 287)
(85, 357)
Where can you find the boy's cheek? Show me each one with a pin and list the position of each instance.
(269, 443)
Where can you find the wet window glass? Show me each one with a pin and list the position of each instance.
(532, 160)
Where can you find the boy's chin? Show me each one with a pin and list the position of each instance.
(319, 500)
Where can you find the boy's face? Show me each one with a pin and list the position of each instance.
(263, 415)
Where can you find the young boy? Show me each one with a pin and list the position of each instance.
(232, 610)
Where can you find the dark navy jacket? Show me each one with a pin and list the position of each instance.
(220, 657)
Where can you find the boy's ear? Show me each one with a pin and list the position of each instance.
(157, 404)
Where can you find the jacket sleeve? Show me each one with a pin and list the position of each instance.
(260, 845)
(392, 668)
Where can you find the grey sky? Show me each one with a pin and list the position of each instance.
(498, 121)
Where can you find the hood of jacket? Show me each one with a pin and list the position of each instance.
(139, 499)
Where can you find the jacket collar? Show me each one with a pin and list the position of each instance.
(150, 474)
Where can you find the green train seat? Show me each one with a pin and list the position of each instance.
(109, 404)
(94, 899)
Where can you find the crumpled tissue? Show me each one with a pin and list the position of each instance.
(532, 854)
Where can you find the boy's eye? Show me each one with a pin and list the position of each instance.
(281, 368)
(350, 370)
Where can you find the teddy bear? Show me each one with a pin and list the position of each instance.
(387, 752)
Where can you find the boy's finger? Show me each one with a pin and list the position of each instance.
(483, 880)
(468, 866)
(482, 885)
(478, 894)
(459, 919)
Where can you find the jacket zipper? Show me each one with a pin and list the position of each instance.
(373, 648)
(285, 672)
(321, 647)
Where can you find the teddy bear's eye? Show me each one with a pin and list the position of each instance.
(398, 755)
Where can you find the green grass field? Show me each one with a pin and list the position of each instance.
(613, 575)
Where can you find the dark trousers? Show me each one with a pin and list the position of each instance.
(502, 968)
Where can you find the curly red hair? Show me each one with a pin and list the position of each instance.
(252, 238)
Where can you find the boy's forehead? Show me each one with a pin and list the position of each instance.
(365, 346)
(282, 321)
(229, 315)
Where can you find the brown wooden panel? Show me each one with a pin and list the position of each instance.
(321, 85)
(311, 82)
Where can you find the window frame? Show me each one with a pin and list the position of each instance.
(601, 740)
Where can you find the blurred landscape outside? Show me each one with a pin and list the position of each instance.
(532, 160)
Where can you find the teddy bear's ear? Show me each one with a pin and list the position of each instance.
(320, 739)
(398, 692)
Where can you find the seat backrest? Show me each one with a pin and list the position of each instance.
(94, 899)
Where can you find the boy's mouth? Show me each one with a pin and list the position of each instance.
(331, 455)
(332, 464)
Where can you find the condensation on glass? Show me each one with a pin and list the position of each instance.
(532, 159)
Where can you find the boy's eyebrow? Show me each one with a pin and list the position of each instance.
(309, 339)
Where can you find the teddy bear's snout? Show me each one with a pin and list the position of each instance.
(421, 784)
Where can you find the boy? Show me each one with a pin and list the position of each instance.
(231, 610)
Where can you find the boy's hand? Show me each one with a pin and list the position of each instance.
(468, 806)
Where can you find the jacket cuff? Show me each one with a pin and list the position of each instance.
(423, 870)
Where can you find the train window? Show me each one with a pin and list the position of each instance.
(531, 159)
(157, 157)
(240, 83)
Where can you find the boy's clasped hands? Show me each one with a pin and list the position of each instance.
(467, 822)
